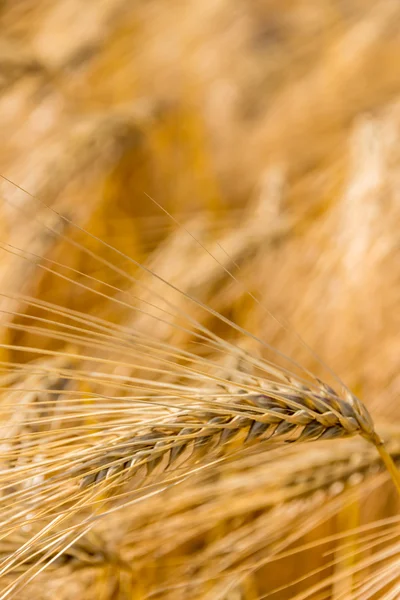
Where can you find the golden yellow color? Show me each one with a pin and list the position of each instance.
(192, 189)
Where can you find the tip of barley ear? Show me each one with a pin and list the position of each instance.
(388, 461)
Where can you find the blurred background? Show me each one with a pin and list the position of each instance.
(269, 129)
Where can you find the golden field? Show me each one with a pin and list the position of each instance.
(246, 154)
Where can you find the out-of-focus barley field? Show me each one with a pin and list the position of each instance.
(270, 131)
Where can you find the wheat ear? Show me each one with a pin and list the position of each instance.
(277, 416)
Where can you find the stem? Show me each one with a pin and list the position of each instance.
(389, 463)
